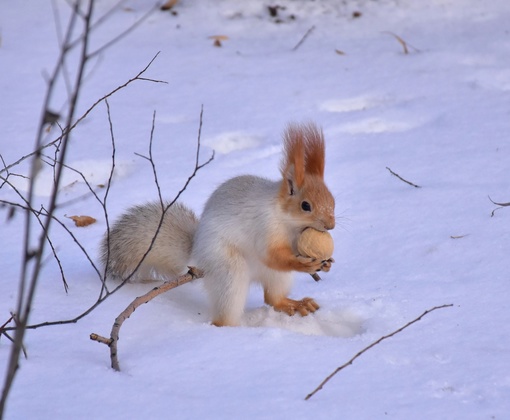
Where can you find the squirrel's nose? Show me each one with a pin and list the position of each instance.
(329, 224)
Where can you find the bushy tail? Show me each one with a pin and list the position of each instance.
(132, 234)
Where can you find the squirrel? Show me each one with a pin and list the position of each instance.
(247, 232)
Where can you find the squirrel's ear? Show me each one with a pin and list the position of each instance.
(289, 184)
(293, 162)
(291, 190)
(315, 150)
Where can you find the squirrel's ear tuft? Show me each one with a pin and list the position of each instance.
(294, 149)
(315, 149)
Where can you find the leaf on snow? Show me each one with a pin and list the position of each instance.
(82, 221)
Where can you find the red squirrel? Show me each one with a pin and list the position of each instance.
(247, 232)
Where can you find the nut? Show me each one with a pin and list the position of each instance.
(315, 244)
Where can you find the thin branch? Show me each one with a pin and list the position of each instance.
(192, 274)
(6, 323)
(372, 345)
(45, 213)
(402, 179)
(105, 197)
(37, 214)
(151, 161)
(404, 44)
(39, 148)
(124, 33)
(303, 38)
(501, 205)
(198, 166)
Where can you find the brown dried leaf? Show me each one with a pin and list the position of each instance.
(82, 221)
(169, 4)
(217, 39)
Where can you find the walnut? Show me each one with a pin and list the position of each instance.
(316, 244)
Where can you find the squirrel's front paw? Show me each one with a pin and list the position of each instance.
(290, 306)
(309, 264)
(326, 264)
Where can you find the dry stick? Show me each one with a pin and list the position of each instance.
(111, 342)
(152, 163)
(23, 348)
(304, 38)
(497, 204)
(372, 345)
(3, 331)
(105, 199)
(402, 42)
(6, 323)
(402, 179)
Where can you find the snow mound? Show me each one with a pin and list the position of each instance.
(232, 141)
(96, 172)
(333, 322)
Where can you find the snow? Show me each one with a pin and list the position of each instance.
(438, 116)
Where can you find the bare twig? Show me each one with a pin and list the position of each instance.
(402, 179)
(101, 339)
(105, 197)
(372, 345)
(459, 236)
(404, 44)
(4, 332)
(125, 32)
(6, 323)
(40, 148)
(111, 342)
(151, 161)
(303, 39)
(501, 205)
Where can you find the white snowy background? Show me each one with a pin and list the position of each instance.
(438, 116)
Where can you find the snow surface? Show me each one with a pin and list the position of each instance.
(438, 116)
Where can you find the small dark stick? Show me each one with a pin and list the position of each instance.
(192, 274)
(402, 179)
(498, 204)
(303, 39)
(316, 277)
(385, 337)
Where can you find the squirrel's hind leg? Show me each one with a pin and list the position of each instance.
(227, 282)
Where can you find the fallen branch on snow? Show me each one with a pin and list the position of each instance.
(405, 45)
(402, 179)
(372, 345)
(501, 205)
(303, 38)
(192, 274)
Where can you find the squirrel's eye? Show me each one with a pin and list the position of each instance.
(305, 205)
